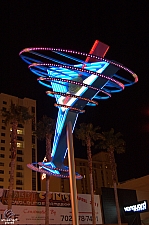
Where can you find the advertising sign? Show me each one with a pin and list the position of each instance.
(29, 208)
(139, 207)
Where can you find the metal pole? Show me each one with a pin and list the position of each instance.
(72, 179)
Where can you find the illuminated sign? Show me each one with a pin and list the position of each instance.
(137, 208)
(9, 217)
(74, 84)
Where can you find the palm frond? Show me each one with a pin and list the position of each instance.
(45, 126)
(16, 113)
(110, 140)
(87, 131)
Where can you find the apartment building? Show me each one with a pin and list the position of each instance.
(102, 176)
(25, 179)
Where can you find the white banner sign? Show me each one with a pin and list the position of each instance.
(29, 208)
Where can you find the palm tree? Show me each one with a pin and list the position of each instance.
(45, 130)
(113, 142)
(16, 114)
(88, 134)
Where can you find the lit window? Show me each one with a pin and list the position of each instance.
(19, 145)
(19, 131)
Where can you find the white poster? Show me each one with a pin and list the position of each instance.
(29, 208)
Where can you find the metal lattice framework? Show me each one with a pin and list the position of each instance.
(74, 83)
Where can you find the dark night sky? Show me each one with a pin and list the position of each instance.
(76, 25)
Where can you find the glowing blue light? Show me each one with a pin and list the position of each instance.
(51, 164)
(89, 80)
(50, 170)
(44, 84)
(59, 125)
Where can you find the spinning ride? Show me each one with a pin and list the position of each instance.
(75, 83)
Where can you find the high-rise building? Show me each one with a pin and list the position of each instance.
(102, 176)
(24, 179)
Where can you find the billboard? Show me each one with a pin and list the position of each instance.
(29, 207)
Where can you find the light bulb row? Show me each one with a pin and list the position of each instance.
(72, 96)
(78, 69)
(40, 170)
(53, 168)
(84, 54)
(73, 82)
(69, 107)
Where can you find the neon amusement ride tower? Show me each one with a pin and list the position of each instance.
(75, 83)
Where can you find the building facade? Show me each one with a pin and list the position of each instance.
(25, 179)
(102, 176)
